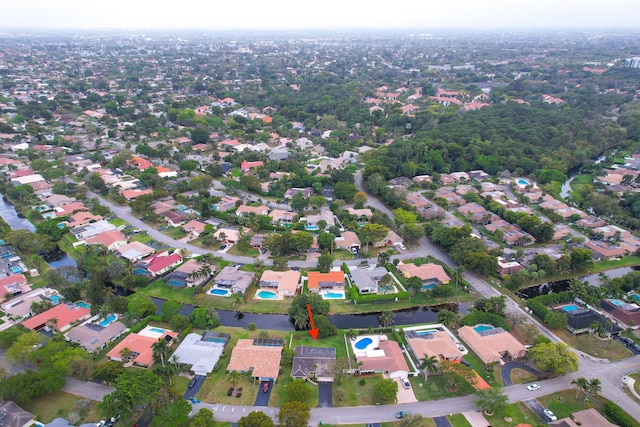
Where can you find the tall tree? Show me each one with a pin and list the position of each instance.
(295, 414)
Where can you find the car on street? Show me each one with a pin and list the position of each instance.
(550, 415)
(265, 387)
(193, 382)
(533, 387)
(405, 382)
(402, 414)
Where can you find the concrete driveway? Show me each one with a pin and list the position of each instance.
(262, 399)
(325, 390)
(405, 395)
(476, 419)
(538, 409)
(442, 422)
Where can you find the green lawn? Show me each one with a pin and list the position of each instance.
(117, 222)
(175, 232)
(636, 385)
(436, 387)
(250, 252)
(48, 407)
(278, 396)
(564, 403)
(590, 344)
(517, 413)
(458, 420)
(343, 255)
(355, 391)
(477, 365)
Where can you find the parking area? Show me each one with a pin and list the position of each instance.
(325, 390)
(262, 399)
(405, 395)
(628, 343)
(192, 391)
(538, 409)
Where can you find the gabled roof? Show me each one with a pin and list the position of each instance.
(315, 279)
(264, 361)
(392, 361)
(313, 359)
(159, 262)
(64, 313)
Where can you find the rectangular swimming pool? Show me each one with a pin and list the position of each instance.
(570, 308)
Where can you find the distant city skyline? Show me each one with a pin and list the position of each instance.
(330, 14)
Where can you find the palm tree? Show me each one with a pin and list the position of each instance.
(117, 268)
(207, 258)
(429, 364)
(125, 353)
(448, 318)
(160, 351)
(594, 387)
(581, 385)
(383, 258)
(205, 270)
(235, 377)
(351, 333)
(385, 318)
(300, 320)
(457, 274)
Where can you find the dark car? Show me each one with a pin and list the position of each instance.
(402, 414)
(265, 387)
(465, 363)
(193, 382)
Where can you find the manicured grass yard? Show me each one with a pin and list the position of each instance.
(564, 403)
(520, 376)
(355, 391)
(636, 385)
(458, 420)
(590, 344)
(278, 397)
(252, 252)
(518, 413)
(118, 222)
(48, 407)
(436, 387)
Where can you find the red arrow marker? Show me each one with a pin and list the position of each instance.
(313, 331)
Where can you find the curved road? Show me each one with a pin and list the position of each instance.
(505, 372)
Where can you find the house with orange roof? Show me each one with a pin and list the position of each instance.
(246, 165)
(333, 280)
(194, 228)
(141, 163)
(140, 346)
(134, 193)
(430, 274)
(433, 343)
(110, 239)
(386, 359)
(83, 218)
(285, 283)
(246, 209)
(492, 344)
(165, 172)
(61, 316)
(70, 209)
(282, 217)
(162, 262)
(14, 284)
(260, 358)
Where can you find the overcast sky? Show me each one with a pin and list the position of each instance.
(301, 14)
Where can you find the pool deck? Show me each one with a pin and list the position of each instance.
(375, 341)
(277, 298)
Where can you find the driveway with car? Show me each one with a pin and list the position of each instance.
(404, 395)
(262, 399)
(195, 388)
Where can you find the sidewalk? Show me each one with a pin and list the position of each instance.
(630, 383)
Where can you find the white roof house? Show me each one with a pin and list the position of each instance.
(202, 352)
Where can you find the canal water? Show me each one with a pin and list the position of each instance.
(10, 216)
(59, 258)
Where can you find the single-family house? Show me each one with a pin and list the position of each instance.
(260, 357)
(20, 307)
(292, 192)
(139, 346)
(228, 235)
(57, 200)
(430, 274)
(246, 209)
(586, 418)
(194, 228)
(348, 240)
(87, 231)
(436, 343)
(360, 213)
(391, 239)
(69, 209)
(110, 239)
(386, 359)
(174, 218)
(60, 317)
(318, 362)
(83, 218)
(580, 320)
(134, 193)
(332, 280)
(12, 415)
(367, 280)
(285, 283)
(14, 284)
(226, 203)
(508, 267)
(627, 313)
(135, 251)
(93, 337)
(201, 352)
(233, 279)
(492, 344)
(323, 215)
(185, 273)
(282, 217)
(162, 262)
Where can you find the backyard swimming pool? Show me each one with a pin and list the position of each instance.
(312, 228)
(55, 299)
(157, 330)
(140, 272)
(426, 332)
(635, 297)
(523, 182)
(482, 328)
(83, 304)
(363, 343)
(219, 292)
(267, 295)
(16, 269)
(428, 286)
(616, 302)
(176, 282)
(109, 319)
(333, 295)
(570, 307)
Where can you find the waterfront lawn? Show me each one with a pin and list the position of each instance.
(458, 420)
(517, 412)
(336, 341)
(354, 390)
(50, 406)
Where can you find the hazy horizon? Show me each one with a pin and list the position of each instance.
(330, 15)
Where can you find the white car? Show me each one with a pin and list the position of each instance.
(550, 415)
(401, 246)
(405, 383)
(533, 387)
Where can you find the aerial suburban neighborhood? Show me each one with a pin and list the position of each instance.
(419, 229)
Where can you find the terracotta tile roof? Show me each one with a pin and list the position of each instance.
(264, 360)
(489, 346)
(287, 280)
(438, 344)
(138, 344)
(392, 361)
(315, 278)
(425, 272)
(65, 313)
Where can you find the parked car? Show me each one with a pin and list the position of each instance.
(550, 415)
(401, 246)
(402, 414)
(405, 382)
(465, 363)
(193, 382)
(637, 347)
(533, 387)
(265, 387)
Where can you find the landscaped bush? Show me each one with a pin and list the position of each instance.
(539, 306)
(251, 326)
(618, 416)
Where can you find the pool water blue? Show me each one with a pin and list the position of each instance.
(83, 304)
(616, 302)
(15, 269)
(426, 332)
(482, 328)
(158, 330)
(140, 272)
(332, 295)
(110, 318)
(523, 182)
(55, 299)
(181, 207)
(312, 228)
(428, 286)
(635, 297)
(570, 308)
(221, 292)
(267, 295)
(363, 343)
(176, 282)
